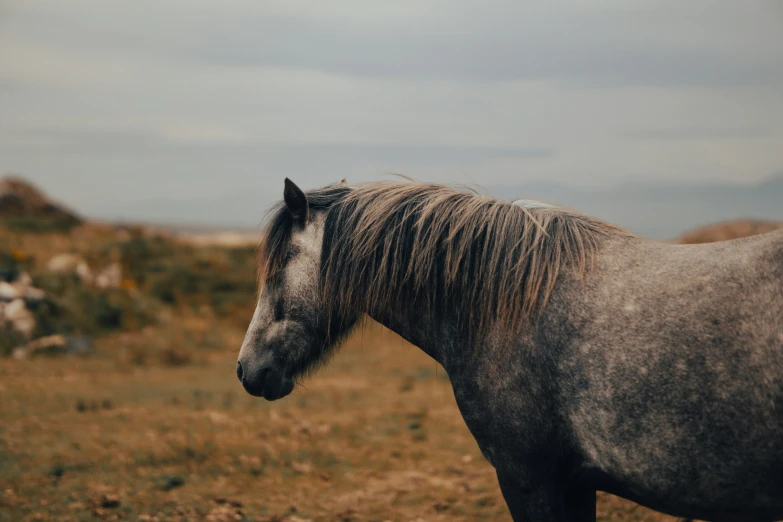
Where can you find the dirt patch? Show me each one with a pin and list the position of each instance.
(95, 439)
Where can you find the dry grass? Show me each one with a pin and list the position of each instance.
(375, 436)
(154, 426)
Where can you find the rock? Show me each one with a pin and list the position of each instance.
(25, 280)
(14, 309)
(53, 345)
(25, 324)
(109, 277)
(78, 345)
(49, 345)
(8, 292)
(219, 418)
(33, 295)
(21, 319)
(20, 353)
(64, 263)
(84, 273)
(21, 289)
(302, 468)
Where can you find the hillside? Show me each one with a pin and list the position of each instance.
(728, 230)
(23, 205)
(662, 210)
(96, 281)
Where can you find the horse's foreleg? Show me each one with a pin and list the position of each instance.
(548, 502)
(580, 503)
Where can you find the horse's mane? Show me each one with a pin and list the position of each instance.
(388, 245)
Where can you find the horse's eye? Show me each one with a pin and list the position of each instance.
(279, 310)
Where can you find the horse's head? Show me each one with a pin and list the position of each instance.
(291, 330)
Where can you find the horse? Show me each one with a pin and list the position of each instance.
(583, 358)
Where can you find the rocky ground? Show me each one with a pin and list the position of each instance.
(19, 299)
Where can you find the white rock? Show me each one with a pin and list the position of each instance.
(25, 325)
(24, 280)
(49, 345)
(64, 263)
(33, 294)
(15, 309)
(52, 345)
(110, 277)
(84, 273)
(8, 292)
(22, 320)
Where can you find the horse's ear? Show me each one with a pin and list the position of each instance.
(296, 201)
(343, 181)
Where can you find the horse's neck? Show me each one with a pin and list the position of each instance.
(436, 340)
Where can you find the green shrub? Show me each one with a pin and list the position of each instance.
(183, 275)
(77, 308)
(38, 224)
(9, 266)
(159, 274)
(9, 339)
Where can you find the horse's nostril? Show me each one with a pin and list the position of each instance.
(262, 376)
(239, 371)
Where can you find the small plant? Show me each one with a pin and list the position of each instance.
(10, 268)
(9, 339)
(38, 224)
(172, 482)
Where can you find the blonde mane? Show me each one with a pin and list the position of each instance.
(395, 245)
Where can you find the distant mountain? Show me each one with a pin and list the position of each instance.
(660, 211)
(236, 210)
(728, 230)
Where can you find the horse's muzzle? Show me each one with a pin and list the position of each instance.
(264, 380)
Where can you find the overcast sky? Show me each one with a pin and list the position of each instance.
(109, 104)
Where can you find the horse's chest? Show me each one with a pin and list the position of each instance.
(509, 418)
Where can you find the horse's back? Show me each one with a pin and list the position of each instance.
(673, 373)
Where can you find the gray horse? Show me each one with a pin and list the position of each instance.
(582, 358)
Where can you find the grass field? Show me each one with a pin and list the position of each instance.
(153, 424)
(375, 436)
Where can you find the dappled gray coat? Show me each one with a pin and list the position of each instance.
(582, 358)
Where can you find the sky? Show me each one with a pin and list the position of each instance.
(118, 108)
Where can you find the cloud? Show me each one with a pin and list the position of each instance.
(187, 97)
(700, 133)
(588, 43)
(503, 41)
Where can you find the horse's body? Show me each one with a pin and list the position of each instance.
(660, 379)
(655, 374)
